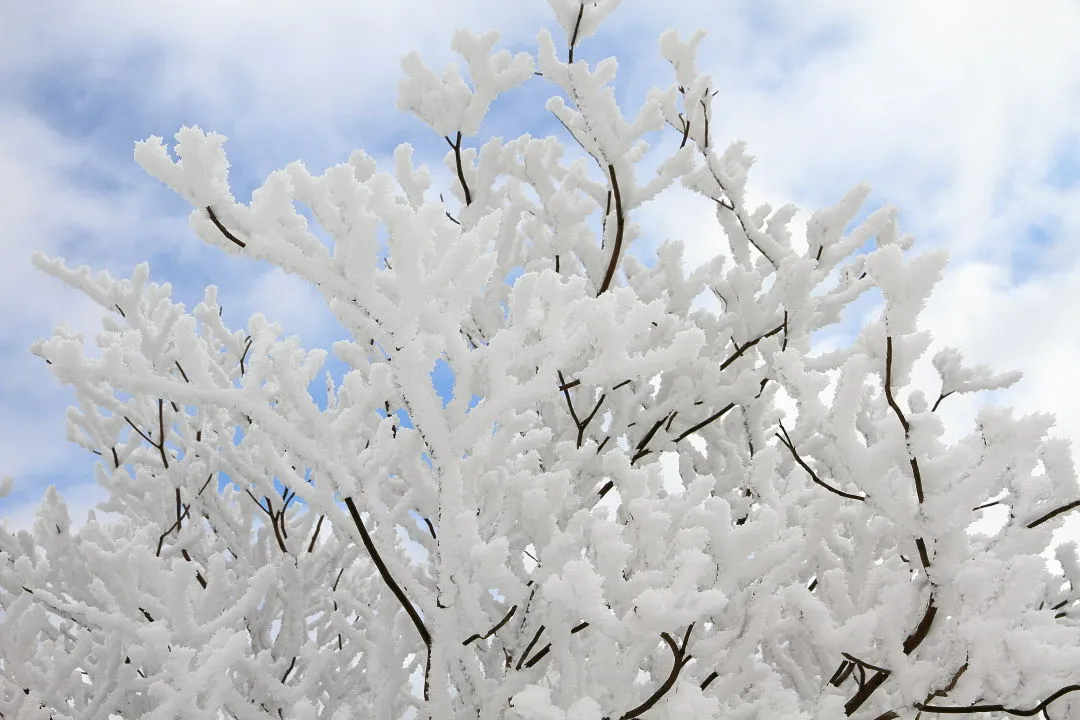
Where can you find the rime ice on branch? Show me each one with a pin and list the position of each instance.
(516, 552)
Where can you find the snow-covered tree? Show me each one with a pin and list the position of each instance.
(518, 551)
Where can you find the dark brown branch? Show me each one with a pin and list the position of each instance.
(740, 350)
(715, 416)
(866, 687)
(620, 228)
(581, 425)
(493, 630)
(198, 575)
(180, 516)
(535, 638)
(161, 433)
(565, 388)
(680, 658)
(269, 512)
(949, 687)
(841, 673)
(141, 434)
(567, 385)
(924, 556)
(705, 118)
(685, 131)
(607, 212)
(786, 442)
(547, 648)
(1020, 712)
(456, 145)
(1054, 513)
(174, 526)
(333, 589)
(900, 416)
(224, 230)
(922, 629)
(642, 448)
(288, 670)
(941, 397)
(243, 357)
(181, 369)
(387, 577)
(588, 419)
(315, 535)
(863, 664)
(573, 36)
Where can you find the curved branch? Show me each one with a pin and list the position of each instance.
(680, 658)
(900, 416)
(620, 228)
(922, 629)
(786, 442)
(224, 230)
(1028, 712)
(492, 631)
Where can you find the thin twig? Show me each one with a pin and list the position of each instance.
(224, 230)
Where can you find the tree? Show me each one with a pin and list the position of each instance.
(805, 563)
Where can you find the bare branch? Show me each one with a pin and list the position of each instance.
(573, 36)
(1020, 712)
(740, 350)
(386, 576)
(456, 145)
(493, 630)
(1054, 513)
(900, 416)
(620, 228)
(680, 658)
(786, 442)
(224, 231)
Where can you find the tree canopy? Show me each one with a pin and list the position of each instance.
(516, 549)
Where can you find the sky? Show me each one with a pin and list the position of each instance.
(965, 115)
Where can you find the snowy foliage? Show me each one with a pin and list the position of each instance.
(809, 564)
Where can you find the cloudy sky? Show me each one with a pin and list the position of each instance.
(965, 114)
